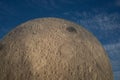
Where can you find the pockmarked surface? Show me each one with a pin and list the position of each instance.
(52, 49)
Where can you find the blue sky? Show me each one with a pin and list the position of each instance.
(101, 17)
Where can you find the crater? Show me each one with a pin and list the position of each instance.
(67, 51)
(71, 29)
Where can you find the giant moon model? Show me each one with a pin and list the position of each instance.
(52, 49)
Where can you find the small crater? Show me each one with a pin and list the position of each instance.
(34, 32)
(71, 29)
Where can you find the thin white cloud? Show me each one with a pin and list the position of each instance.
(103, 20)
(117, 75)
(114, 55)
(107, 21)
(113, 52)
(117, 3)
(112, 46)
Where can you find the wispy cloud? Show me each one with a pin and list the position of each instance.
(107, 21)
(117, 75)
(97, 19)
(114, 55)
(111, 47)
(117, 2)
(103, 21)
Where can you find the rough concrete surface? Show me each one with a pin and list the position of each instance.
(52, 49)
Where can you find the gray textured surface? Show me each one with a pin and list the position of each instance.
(52, 49)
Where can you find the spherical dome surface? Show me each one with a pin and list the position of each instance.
(52, 49)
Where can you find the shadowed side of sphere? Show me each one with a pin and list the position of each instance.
(52, 49)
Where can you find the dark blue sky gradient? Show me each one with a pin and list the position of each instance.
(101, 17)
